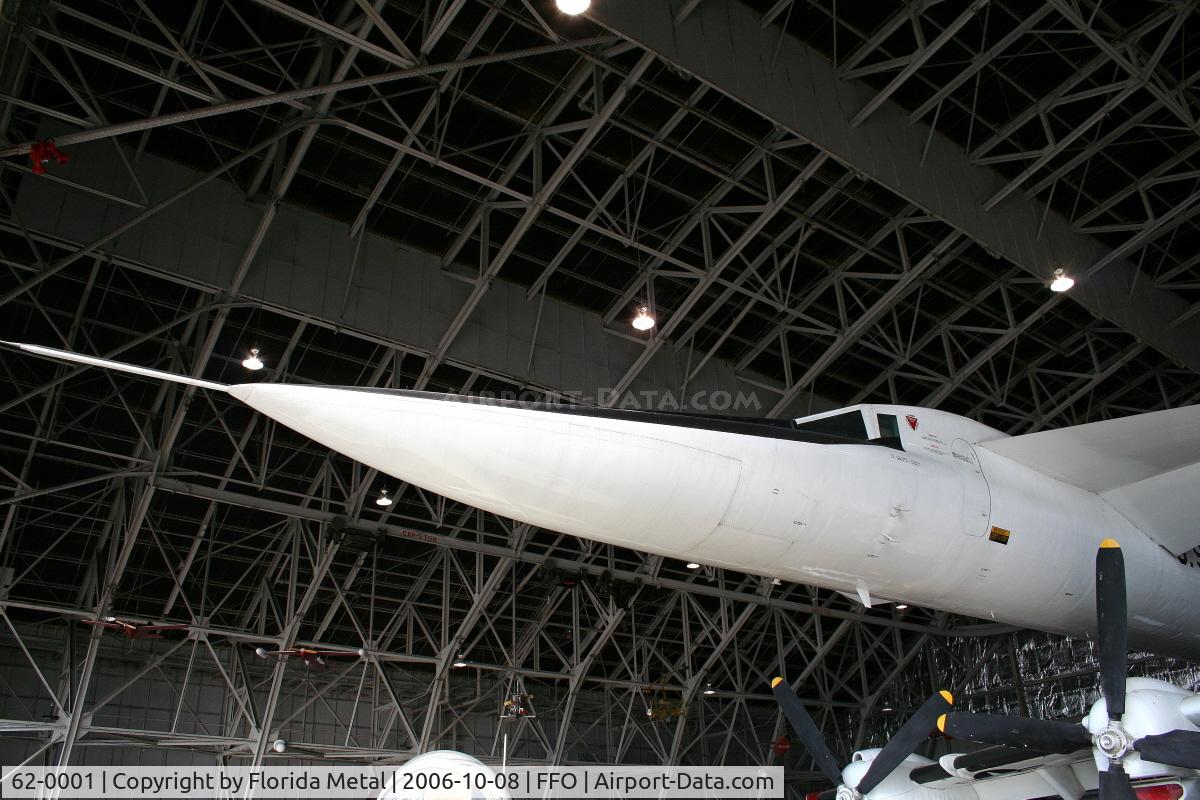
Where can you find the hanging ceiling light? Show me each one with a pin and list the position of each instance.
(1061, 281)
(643, 321)
(692, 565)
(709, 691)
(383, 499)
(901, 606)
(461, 661)
(253, 362)
(573, 7)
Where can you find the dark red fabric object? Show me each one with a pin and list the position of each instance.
(42, 152)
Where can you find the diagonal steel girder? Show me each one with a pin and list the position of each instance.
(1051, 151)
(1186, 315)
(410, 137)
(918, 60)
(1064, 91)
(360, 43)
(1138, 80)
(1030, 369)
(679, 315)
(574, 84)
(727, 48)
(997, 345)
(680, 234)
(774, 11)
(479, 605)
(598, 639)
(912, 11)
(541, 197)
(287, 639)
(141, 507)
(695, 681)
(1150, 230)
(903, 360)
(1152, 177)
(827, 282)
(932, 261)
(290, 96)
(643, 157)
(441, 24)
(980, 61)
(1171, 98)
(1075, 392)
(806, 230)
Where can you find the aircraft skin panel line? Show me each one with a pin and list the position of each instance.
(1165, 507)
(831, 515)
(1146, 466)
(910, 508)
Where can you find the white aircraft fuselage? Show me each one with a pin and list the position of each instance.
(925, 518)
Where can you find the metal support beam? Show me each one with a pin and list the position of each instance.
(918, 60)
(727, 48)
(540, 199)
(118, 129)
(679, 315)
(933, 261)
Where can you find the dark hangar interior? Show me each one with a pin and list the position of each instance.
(821, 204)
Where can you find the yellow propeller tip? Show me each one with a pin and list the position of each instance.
(948, 697)
(1109, 543)
(775, 682)
(942, 723)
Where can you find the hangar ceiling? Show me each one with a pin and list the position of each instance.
(791, 187)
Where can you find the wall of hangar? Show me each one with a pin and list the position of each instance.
(182, 712)
(307, 264)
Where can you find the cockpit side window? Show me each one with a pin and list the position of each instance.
(850, 425)
(889, 428)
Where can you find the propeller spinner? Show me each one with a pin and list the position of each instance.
(899, 747)
(1113, 742)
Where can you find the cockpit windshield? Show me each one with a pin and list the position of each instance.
(850, 425)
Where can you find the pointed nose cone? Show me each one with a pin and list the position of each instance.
(613, 480)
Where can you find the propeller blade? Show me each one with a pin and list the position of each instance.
(906, 740)
(1114, 784)
(1175, 748)
(991, 757)
(806, 730)
(1039, 735)
(1111, 625)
